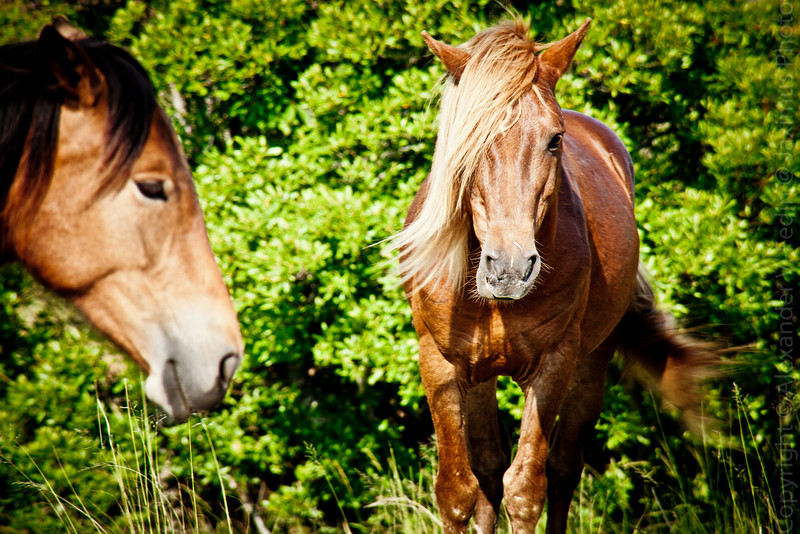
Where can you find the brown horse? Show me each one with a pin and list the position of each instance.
(520, 257)
(98, 203)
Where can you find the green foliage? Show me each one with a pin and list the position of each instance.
(309, 126)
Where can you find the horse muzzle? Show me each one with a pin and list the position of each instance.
(503, 276)
(180, 388)
(192, 362)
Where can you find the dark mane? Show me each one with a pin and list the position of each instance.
(30, 110)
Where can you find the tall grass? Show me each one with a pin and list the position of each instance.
(724, 484)
(720, 485)
(147, 501)
(407, 502)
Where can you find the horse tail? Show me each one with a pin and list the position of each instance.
(663, 357)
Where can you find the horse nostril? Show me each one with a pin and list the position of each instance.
(227, 367)
(491, 265)
(529, 268)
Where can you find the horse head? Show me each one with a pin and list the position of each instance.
(513, 180)
(111, 219)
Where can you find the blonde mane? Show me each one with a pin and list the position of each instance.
(473, 112)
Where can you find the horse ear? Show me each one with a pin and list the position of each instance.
(454, 58)
(77, 77)
(67, 30)
(556, 59)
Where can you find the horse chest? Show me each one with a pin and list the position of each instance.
(485, 341)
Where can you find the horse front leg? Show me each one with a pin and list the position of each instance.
(525, 482)
(579, 412)
(486, 454)
(456, 486)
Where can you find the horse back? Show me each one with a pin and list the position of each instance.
(595, 143)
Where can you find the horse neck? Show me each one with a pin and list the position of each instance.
(6, 254)
(546, 233)
(27, 154)
(13, 196)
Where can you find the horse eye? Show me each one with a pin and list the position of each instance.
(153, 189)
(555, 142)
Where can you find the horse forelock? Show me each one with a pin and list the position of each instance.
(30, 112)
(473, 112)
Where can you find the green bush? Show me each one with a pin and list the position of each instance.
(309, 126)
